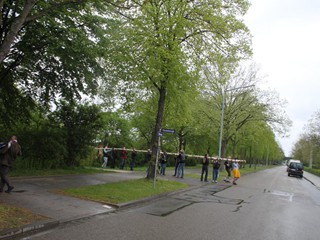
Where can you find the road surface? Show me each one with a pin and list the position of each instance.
(264, 205)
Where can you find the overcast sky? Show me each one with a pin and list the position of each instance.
(286, 46)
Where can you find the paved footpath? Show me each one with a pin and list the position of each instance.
(40, 196)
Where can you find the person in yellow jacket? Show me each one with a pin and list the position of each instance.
(236, 172)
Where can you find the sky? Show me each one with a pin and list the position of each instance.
(286, 47)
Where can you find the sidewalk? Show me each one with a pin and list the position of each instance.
(315, 180)
(39, 195)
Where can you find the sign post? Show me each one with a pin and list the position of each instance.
(160, 134)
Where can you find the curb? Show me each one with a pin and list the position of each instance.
(42, 225)
(318, 187)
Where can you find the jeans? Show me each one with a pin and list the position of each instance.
(105, 162)
(181, 169)
(163, 169)
(215, 174)
(123, 163)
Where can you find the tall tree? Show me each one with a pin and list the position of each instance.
(80, 123)
(244, 103)
(48, 50)
(167, 43)
(307, 148)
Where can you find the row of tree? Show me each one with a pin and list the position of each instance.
(77, 73)
(307, 148)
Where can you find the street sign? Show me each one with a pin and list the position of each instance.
(166, 130)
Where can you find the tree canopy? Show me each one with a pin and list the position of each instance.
(145, 63)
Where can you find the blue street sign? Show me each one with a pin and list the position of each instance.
(166, 130)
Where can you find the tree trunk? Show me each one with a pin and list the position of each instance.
(155, 134)
(14, 29)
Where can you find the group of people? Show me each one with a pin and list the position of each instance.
(110, 153)
(8, 153)
(216, 164)
(180, 162)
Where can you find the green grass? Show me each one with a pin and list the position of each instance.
(53, 172)
(313, 171)
(126, 191)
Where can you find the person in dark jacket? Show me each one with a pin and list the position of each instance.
(134, 155)
(163, 163)
(182, 163)
(228, 167)
(205, 164)
(8, 155)
(215, 170)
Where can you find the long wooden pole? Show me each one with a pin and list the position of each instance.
(176, 154)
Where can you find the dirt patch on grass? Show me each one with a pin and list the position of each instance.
(13, 217)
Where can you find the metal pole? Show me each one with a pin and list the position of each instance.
(221, 124)
(222, 113)
(156, 165)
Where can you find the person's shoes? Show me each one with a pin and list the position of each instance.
(1, 190)
(206, 180)
(234, 183)
(216, 181)
(181, 177)
(9, 189)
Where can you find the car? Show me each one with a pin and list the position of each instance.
(295, 169)
(291, 161)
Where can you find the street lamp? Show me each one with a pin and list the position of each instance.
(222, 112)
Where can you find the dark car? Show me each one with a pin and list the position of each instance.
(295, 169)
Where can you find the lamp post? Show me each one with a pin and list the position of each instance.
(222, 113)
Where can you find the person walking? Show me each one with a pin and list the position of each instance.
(215, 170)
(134, 155)
(227, 167)
(124, 156)
(163, 163)
(236, 172)
(182, 163)
(8, 155)
(205, 164)
(106, 152)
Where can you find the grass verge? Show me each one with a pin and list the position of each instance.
(313, 171)
(126, 191)
(55, 172)
(13, 217)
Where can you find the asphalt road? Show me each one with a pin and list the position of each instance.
(264, 205)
